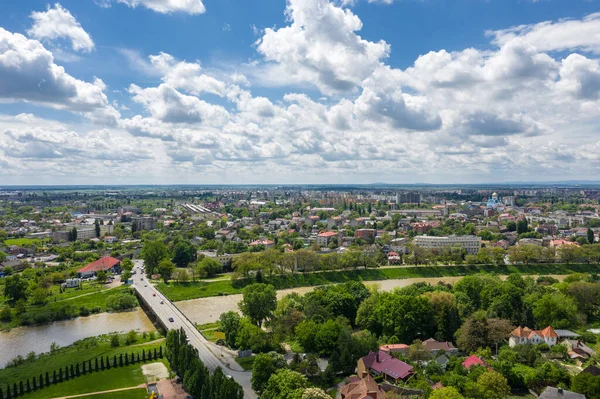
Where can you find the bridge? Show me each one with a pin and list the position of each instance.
(165, 311)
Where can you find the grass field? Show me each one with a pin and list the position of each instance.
(182, 291)
(122, 377)
(22, 242)
(84, 350)
(129, 394)
(245, 362)
(209, 330)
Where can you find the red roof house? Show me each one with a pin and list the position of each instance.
(381, 363)
(474, 361)
(107, 263)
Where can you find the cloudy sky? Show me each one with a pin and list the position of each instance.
(299, 91)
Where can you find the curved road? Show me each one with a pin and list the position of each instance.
(165, 309)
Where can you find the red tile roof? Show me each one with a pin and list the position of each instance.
(328, 234)
(473, 361)
(104, 263)
(383, 363)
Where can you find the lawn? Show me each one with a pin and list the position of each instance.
(209, 330)
(22, 242)
(183, 291)
(129, 394)
(83, 350)
(122, 377)
(245, 362)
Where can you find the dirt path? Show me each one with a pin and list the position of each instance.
(101, 392)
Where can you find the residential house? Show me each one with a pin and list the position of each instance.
(107, 263)
(524, 335)
(266, 243)
(325, 238)
(559, 393)
(394, 258)
(395, 348)
(110, 239)
(381, 363)
(578, 349)
(436, 347)
(474, 361)
(363, 387)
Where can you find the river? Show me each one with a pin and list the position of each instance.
(22, 340)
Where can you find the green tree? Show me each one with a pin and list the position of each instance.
(262, 369)
(97, 228)
(166, 269)
(493, 385)
(590, 236)
(208, 267)
(15, 288)
(474, 334)
(446, 393)
(587, 384)
(101, 276)
(183, 253)
(285, 384)
(153, 253)
(230, 325)
(258, 303)
(554, 309)
(522, 226)
(39, 296)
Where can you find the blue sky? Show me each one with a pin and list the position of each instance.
(234, 91)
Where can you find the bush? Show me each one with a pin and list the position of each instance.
(114, 340)
(122, 301)
(83, 311)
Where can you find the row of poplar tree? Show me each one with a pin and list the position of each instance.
(197, 380)
(76, 370)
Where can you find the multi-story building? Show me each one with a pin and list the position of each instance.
(408, 198)
(365, 234)
(470, 243)
(86, 233)
(325, 238)
(144, 223)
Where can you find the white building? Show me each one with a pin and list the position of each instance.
(470, 243)
(524, 335)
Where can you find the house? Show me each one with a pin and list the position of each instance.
(266, 243)
(578, 349)
(325, 238)
(381, 363)
(363, 387)
(394, 258)
(435, 347)
(566, 334)
(110, 239)
(559, 393)
(524, 335)
(107, 263)
(395, 348)
(442, 360)
(593, 370)
(474, 361)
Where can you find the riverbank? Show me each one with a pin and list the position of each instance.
(203, 311)
(186, 291)
(22, 340)
(81, 351)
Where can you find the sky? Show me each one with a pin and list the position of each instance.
(299, 91)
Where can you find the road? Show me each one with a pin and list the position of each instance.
(165, 309)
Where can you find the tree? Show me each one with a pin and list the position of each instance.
(285, 384)
(474, 334)
(5, 314)
(39, 296)
(315, 393)
(208, 267)
(587, 384)
(522, 226)
(230, 325)
(446, 393)
(97, 228)
(101, 276)
(183, 253)
(590, 236)
(492, 385)
(555, 309)
(166, 269)
(153, 253)
(258, 303)
(181, 276)
(15, 288)
(262, 369)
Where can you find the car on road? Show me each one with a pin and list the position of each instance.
(171, 319)
(162, 302)
(154, 294)
(145, 285)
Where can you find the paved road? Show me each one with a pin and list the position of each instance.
(210, 354)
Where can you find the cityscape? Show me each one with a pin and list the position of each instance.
(299, 199)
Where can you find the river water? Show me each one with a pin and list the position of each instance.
(22, 340)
